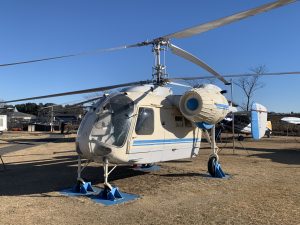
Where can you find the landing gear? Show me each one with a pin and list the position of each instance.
(241, 138)
(213, 165)
(148, 165)
(81, 186)
(109, 192)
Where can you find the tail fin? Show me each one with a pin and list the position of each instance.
(259, 115)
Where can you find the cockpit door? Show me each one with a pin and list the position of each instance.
(147, 138)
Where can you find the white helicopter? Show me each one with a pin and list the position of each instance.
(145, 123)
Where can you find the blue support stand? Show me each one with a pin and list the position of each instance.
(218, 171)
(112, 195)
(83, 187)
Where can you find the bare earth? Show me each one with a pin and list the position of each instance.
(264, 188)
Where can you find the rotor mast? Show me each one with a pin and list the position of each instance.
(159, 69)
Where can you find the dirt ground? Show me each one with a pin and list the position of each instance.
(264, 187)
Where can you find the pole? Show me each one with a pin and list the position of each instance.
(233, 134)
(4, 168)
(52, 118)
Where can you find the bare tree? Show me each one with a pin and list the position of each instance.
(198, 83)
(250, 85)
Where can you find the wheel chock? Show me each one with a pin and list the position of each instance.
(218, 171)
(83, 187)
(112, 195)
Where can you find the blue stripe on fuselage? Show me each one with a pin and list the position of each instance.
(221, 106)
(165, 141)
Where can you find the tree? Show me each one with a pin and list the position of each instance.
(30, 108)
(5, 109)
(250, 85)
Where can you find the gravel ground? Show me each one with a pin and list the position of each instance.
(264, 188)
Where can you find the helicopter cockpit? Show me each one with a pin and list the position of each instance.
(113, 120)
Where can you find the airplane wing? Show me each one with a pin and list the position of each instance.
(292, 120)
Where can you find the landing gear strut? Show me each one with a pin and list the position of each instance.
(109, 192)
(213, 165)
(82, 186)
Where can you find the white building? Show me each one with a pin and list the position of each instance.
(3, 122)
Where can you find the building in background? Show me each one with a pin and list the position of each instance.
(18, 121)
(3, 123)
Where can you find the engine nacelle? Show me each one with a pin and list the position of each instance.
(204, 104)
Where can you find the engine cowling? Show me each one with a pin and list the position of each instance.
(204, 104)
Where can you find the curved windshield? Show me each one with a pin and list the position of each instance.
(113, 122)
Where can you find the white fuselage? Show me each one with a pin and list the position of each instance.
(137, 125)
(292, 120)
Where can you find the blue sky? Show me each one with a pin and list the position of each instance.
(33, 29)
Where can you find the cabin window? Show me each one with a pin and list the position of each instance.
(145, 122)
(179, 121)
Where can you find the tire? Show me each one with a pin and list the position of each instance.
(148, 165)
(211, 166)
(240, 138)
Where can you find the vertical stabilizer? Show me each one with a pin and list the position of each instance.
(258, 120)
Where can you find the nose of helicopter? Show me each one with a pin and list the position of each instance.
(101, 149)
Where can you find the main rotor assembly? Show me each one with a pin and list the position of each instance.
(158, 45)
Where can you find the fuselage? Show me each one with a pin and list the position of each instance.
(137, 125)
(292, 120)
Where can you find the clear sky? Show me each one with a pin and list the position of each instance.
(33, 28)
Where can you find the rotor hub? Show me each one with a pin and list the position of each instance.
(159, 69)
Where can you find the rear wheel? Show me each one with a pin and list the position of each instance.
(240, 138)
(211, 165)
(148, 165)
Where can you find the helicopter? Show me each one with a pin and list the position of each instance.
(145, 122)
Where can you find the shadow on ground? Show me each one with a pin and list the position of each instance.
(42, 176)
(290, 156)
(185, 175)
(20, 144)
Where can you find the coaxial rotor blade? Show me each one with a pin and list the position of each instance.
(188, 56)
(92, 52)
(178, 84)
(87, 101)
(81, 91)
(181, 34)
(75, 104)
(237, 75)
(226, 20)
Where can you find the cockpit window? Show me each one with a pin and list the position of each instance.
(145, 122)
(114, 119)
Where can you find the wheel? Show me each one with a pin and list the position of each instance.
(148, 165)
(240, 138)
(211, 166)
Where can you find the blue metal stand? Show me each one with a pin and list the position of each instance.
(218, 171)
(112, 195)
(83, 187)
